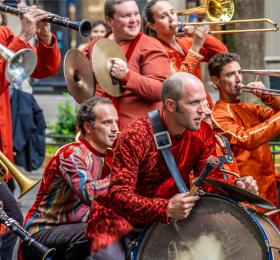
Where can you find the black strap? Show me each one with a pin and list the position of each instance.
(163, 143)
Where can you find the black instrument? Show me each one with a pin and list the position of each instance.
(44, 252)
(84, 27)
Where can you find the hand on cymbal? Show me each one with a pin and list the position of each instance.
(247, 183)
(119, 68)
(180, 205)
(31, 25)
(259, 93)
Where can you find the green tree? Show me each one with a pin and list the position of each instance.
(66, 120)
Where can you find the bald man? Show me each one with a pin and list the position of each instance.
(141, 186)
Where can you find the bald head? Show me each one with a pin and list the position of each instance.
(174, 86)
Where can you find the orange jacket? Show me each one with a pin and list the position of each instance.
(248, 128)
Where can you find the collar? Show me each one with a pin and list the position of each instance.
(84, 141)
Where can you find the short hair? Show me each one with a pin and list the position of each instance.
(86, 112)
(109, 7)
(216, 64)
(98, 22)
(148, 17)
(172, 88)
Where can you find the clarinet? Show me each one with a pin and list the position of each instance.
(84, 27)
(44, 252)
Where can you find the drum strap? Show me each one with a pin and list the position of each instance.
(163, 143)
(228, 158)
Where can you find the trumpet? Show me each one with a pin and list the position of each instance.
(20, 65)
(84, 27)
(44, 252)
(266, 91)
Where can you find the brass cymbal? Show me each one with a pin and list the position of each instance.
(239, 194)
(104, 50)
(79, 76)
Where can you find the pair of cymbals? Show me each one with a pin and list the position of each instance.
(80, 77)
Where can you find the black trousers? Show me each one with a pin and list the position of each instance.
(68, 240)
(12, 210)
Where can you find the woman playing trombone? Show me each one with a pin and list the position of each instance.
(185, 53)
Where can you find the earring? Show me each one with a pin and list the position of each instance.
(215, 86)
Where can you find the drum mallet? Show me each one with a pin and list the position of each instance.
(211, 163)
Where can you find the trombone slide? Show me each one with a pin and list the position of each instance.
(275, 29)
(266, 91)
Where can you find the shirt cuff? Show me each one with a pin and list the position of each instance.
(198, 55)
(126, 78)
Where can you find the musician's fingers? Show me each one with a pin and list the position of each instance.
(1, 204)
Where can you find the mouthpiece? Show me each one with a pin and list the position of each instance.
(240, 85)
(175, 24)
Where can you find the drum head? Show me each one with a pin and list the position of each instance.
(216, 229)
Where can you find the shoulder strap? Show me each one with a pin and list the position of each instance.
(228, 158)
(163, 143)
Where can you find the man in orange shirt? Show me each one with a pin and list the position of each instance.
(148, 64)
(248, 127)
(223, 149)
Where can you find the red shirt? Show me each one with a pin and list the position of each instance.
(149, 66)
(48, 65)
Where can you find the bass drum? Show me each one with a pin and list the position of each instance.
(217, 228)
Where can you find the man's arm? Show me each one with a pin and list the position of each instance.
(246, 138)
(211, 47)
(154, 68)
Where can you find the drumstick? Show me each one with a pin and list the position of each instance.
(272, 212)
(211, 163)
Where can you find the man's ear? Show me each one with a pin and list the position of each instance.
(109, 21)
(170, 105)
(87, 126)
(215, 81)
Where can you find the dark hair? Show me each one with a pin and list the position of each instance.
(98, 22)
(109, 7)
(172, 88)
(148, 17)
(86, 112)
(216, 64)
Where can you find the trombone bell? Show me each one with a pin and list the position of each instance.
(20, 64)
(25, 184)
(217, 10)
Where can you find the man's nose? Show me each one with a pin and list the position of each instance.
(238, 77)
(115, 127)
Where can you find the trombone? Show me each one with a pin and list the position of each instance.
(265, 20)
(266, 91)
(220, 12)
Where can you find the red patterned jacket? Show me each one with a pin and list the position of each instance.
(141, 184)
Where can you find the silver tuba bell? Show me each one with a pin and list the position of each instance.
(20, 65)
